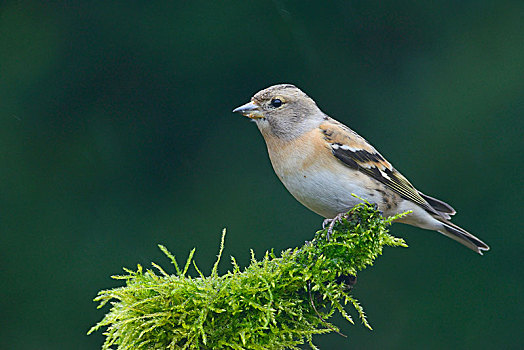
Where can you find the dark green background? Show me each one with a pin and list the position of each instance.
(116, 134)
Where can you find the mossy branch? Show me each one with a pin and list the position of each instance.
(275, 303)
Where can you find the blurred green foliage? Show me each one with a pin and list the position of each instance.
(116, 134)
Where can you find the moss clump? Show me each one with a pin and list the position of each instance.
(275, 303)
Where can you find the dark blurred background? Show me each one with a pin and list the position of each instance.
(116, 134)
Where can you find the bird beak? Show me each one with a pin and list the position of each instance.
(250, 110)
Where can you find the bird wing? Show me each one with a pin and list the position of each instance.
(354, 151)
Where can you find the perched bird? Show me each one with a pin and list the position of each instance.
(322, 163)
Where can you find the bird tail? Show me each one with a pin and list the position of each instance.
(443, 208)
(463, 237)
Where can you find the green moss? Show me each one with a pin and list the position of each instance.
(275, 303)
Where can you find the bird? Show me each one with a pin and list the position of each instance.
(329, 168)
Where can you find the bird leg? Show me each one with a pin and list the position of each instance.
(332, 223)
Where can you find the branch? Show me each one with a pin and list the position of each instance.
(275, 303)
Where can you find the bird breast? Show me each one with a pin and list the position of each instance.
(311, 173)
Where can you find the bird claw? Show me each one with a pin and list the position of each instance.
(332, 223)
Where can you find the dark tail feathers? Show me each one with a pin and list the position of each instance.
(464, 237)
(438, 205)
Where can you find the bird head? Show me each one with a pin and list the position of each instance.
(282, 110)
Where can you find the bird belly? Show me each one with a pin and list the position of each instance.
(326, 193)
(322, 183)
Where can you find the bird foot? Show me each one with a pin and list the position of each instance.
(330, 223)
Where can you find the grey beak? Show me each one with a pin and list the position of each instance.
(246, 109)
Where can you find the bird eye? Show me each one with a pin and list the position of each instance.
(276, 102)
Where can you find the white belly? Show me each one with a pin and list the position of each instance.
(325, 194)
(321, 183)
